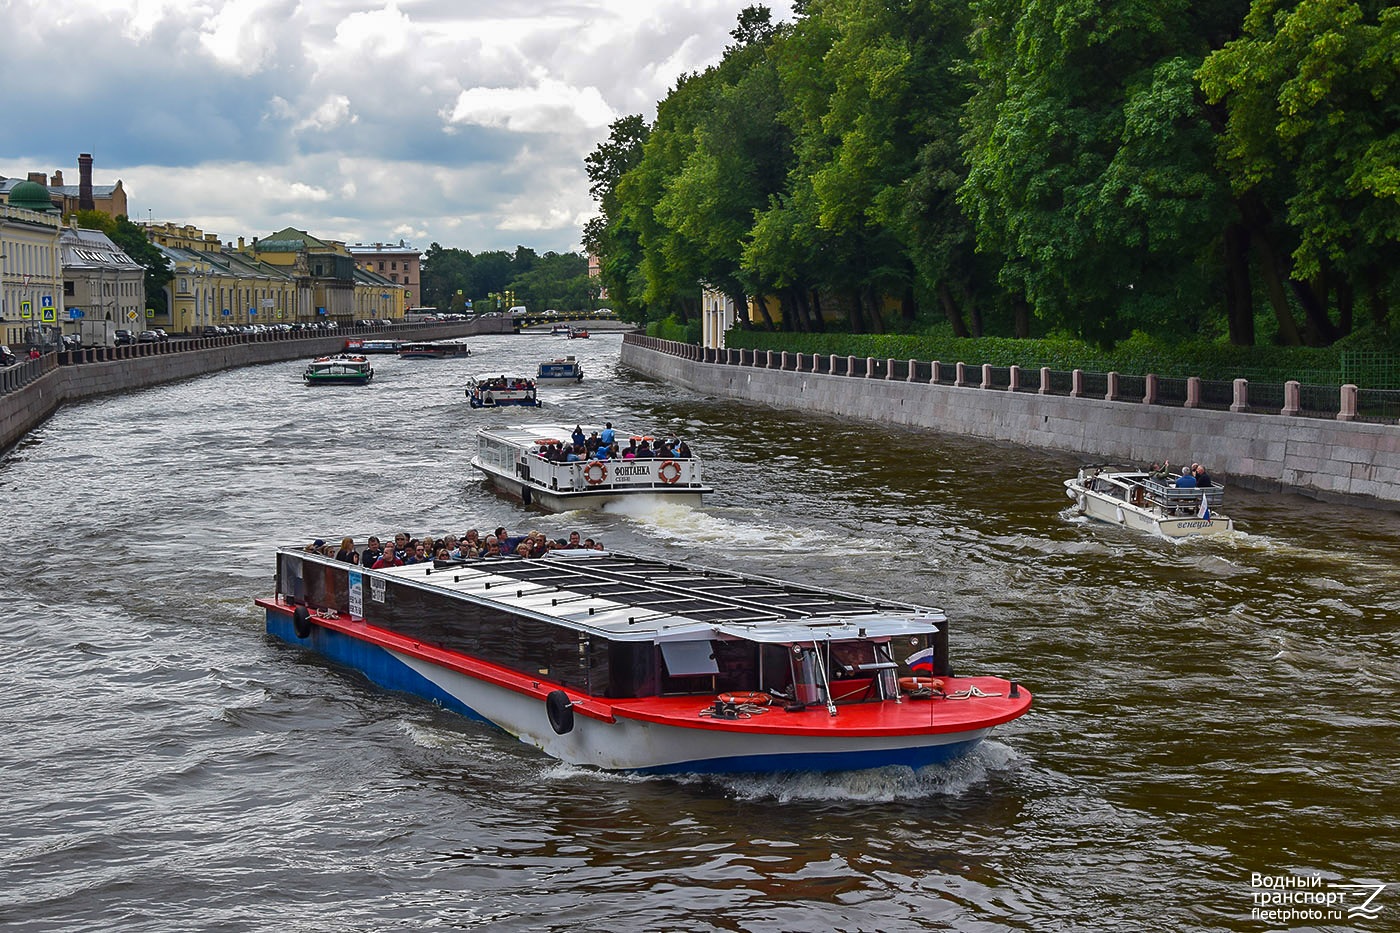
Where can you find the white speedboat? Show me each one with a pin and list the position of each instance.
(513, 460)
(1148, 502)
(630, 663)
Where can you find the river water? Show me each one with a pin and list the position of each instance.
(1205, 711)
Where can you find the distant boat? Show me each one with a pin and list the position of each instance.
(360, 345)
(494, 393)
(580, 333)
(338, 370)
(434, 350)
(565, 369)
(561, 330)
(512, 459)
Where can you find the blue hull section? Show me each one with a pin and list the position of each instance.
(914, 758)
(374, 662)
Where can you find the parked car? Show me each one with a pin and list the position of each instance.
(123, 336)
(148, 336)
(7, 358)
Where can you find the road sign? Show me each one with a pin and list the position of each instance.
(132, 315)
(227, 312)
(74, 313)
(26, 309)
(47, 310)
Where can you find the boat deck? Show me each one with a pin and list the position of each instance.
(624, 597)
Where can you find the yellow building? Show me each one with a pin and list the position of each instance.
(31, 270)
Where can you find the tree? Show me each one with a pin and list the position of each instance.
(132, 240)
(1311, 138)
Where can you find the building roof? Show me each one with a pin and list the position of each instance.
(30, 196)
(93, 249)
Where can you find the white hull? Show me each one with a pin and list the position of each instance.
(1106, 507)
(587, 497)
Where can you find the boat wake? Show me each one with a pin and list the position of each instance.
(877, 785)
(674, 523)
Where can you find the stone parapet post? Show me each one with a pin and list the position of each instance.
(1241, 402)
(1292, 398)
(1193, 392)
(1348, 409)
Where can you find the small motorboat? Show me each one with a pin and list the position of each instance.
(1148, 501)
(564, 369)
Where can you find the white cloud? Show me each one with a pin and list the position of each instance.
(428, 120)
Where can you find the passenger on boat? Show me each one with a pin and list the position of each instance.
(388, 559)
(578, 436)
(347, 551)
(644, 451)
(372, 552)
(1202, 477)
(631, 452)
(574, 543)
(419, 555)
(315, 546)
(607, 436)
(1186, 480)
(600, 453)
(683, 452)
(493, 547)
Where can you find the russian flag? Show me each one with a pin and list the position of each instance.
(1205, 508)
(921, 662)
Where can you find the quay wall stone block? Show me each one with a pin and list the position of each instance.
(1340, 460)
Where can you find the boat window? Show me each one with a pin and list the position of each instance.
(688, 658)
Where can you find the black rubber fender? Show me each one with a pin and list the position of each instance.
(561, 712)
(525, 495)
(301, 622)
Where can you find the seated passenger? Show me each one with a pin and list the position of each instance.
(1202, 477)
(1186, 480)
(387, 559)
(682, 451)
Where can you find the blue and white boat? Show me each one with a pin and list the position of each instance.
(630, 663)
(564, 369)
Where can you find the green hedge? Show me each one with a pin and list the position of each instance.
(1366, 367)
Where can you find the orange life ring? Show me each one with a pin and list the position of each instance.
(546, 440)
(671, 475)
(752, 698)
(588, 475)
(910, 684)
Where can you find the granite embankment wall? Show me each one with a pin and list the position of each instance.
(32, 391)
(1350, 461)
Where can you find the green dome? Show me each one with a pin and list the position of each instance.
(30, 196)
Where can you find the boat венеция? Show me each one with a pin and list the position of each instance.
(1148, 501)
(630, 663)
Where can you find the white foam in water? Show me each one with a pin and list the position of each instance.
(877, 785)
(673, 522)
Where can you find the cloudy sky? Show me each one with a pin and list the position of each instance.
(461, 122)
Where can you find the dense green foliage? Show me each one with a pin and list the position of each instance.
(1202, 173)
(452, 277)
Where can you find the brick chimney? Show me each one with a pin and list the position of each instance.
(85, 202)
(57, 178)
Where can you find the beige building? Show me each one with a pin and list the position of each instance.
(100, 280)
(400, 265)
(85, 196)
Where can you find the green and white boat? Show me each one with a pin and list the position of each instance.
(339, 370)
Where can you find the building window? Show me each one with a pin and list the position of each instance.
(393, 265)
(67, 289)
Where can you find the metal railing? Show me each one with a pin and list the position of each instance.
(1292, 398)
